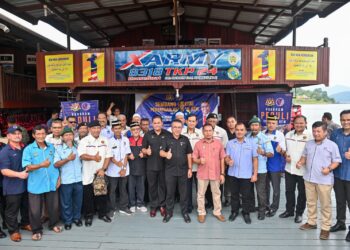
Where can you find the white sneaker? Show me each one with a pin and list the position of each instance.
(143, 209)
(133, 209)
(125, 211)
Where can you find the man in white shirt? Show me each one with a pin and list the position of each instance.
(55, 136)
(219, 133)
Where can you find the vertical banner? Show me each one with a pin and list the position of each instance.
(301, 65)
(263, 64)
(93, 67)
(280, 104)
(59, 68)
(84, 111)
(166, 105)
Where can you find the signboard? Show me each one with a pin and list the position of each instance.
(59, 68)
(84, 111)
(166, 105)
(301, 65)
(263, 64)
(93, 67)
(178, 65)
(31, 59)
(280, 104)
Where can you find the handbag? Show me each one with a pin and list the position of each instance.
(100, 185)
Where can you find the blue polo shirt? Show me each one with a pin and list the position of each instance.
(42, 180)
(71, 171)
(343, 141)
(242, 154)
(11, 158)
(277, 162)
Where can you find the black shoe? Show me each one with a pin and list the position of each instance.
(2, 234)
(271, 213)
(105, 218)
(261, 216)
(252, 210)
(4, 226)
(247, 219)
(286, 214)
(348, 237)
(68, 226)
(298, 218)
(88, 222)
(78, 223)
(167, 217)
(233, 216)
(187, 218)
(226, 203)
(339, 226)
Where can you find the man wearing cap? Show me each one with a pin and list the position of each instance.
(43, 182)
(105, 129)
(14, 184)
(295, 142)
(136, 118)
(264, 151)
(55, 136)
(11, 121)
(177, 152)
(118, 169)
(242, 159)
(179, 116)
(71, 189)
(275, 165)
(137, 163)
(82, 131)
(95, 154)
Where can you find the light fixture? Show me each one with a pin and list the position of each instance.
(180, 10)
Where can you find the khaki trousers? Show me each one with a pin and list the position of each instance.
(323, 193)
(215, 190)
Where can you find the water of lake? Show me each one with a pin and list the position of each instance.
(314, 112)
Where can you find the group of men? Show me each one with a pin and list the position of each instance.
(58, 176)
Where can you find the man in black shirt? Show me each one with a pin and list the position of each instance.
(177, 152)
(151, 144)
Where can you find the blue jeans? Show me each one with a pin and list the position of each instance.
(136, 190)
(71, 198)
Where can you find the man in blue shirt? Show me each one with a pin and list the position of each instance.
(43, 181)
(242, 159)
(341, 137)
(71, 189)
(14, 183)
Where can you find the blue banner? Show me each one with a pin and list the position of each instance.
(178, 65)
(84, 111)
(280, 104)
(166, 105)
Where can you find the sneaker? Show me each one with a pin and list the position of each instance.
(133, 209)
(125, 211)
(143, 209)
(307, 226)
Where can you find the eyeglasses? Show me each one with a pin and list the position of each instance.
(72, 121)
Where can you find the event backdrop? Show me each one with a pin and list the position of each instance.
(84, 111)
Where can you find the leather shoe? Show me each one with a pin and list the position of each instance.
(88, 222)
(261, 216)
(187, 218)
(26, 228)
(2, 234)
(348, 237)
(105, 218)
(201, 218)
(167, 217)
(339, 226)
(162, 211)
(286, 214)
(68, 226)
(271, 213)
(153, 213)
(16, 237)
(78, 223)
(298, 218)
(247, 219)
(233, 216)
(220, 217)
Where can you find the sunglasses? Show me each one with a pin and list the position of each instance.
(72, 121)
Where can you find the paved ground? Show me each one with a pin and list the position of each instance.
(139, 231)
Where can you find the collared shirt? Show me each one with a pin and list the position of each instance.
(230, 135)
(53, 140)
(213, 152)
(11, 158)
(264, 143)
(119, 148)
(41, 180)
(332, 126)
(319, 156)
(71, 171)
(194, 138)
(138, 165)
(295, 146)
(180, 148)
(242, 154)
(90, 145)
(221, 135)
(154, 161)
(276, 163)
(107, 132)
(343, 141)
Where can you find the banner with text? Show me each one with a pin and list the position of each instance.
(84, 111)
(59, 68)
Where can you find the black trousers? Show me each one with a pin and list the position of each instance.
(293, 182)
(118, 184)
(36, 209)
(171, 183)
(92, 202)
(342, 196)
(2, 206)
(136, 188)
(275, 179)
(190, 182)
(260, 187)
(240, 187)
(15, 204)
(156, 188)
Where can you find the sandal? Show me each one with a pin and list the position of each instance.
(37, 236)
(57, 229)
